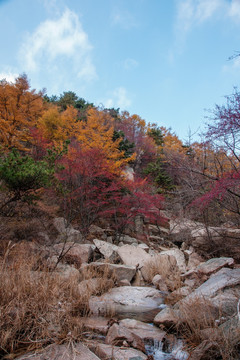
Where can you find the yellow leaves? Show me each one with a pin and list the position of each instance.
(19, 111)
(171, 141)
(58, 126)
(97, 133)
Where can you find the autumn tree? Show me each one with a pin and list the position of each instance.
(57, 126)
(98, 133)
(20, 109)
(135, 131)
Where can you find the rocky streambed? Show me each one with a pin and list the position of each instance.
(157, 294)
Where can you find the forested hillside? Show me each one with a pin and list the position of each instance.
(94, 199)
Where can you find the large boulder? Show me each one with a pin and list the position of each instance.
(107, 250)
(212, 266)
(117, 271)
(61, 352)
(133, 255)
(222, 290)
(66, 231)
(224, 278)
(167, 317)
(179, 256)
(134, 301)
(73, 252)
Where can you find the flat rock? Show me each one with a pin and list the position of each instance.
(118, 335)
(95, 324)
(127, 301)
(133, 255)
(222, 279)
(106, 352)
(213, 265)
(146, 332)
(61, 352)
(119, 271)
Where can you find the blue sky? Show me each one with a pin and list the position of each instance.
(165, 60)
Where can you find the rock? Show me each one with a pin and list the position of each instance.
(139, 224)
(94, 286)
(95, 324)
(133, 256)
(180, 229)
(126, 239)
(66, 231)
(144, 247)
(161, 263)
(61, 352)
(158, 230)
(222, 279)
(147, 332)
(74, 253)
(179, 256)
(108, 250)
(138, 279)
(118, 271)
(118, 335)
(66, 271)
(205, 349)
(124, 282)
(221, 289)
(125, 300)
(193, 260)
(159, 283)
(213, 265)
(106, 352)
(97, 231)
(226, 301)
(167, 317)
(181, 292)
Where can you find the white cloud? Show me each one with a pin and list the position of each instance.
(193, 12)
(130, 63)
(8, 75)
(124, 19)
(119, 99)
(57, 41)
(234, 9)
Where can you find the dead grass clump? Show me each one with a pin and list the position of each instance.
(98, 279)
(37, 308)
(199, 326)
(165, 266)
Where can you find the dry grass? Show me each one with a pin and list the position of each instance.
(198, 324)
(37, 308)
(98, 280)
(165, 266)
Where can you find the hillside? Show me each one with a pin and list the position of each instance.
(108, 224)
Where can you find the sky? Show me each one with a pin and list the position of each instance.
(165, 60)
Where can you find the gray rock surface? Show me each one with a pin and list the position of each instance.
(133, 255)
(62, 352)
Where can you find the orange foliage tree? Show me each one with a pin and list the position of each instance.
(20, 108)
(97, 133)
(57, 126)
